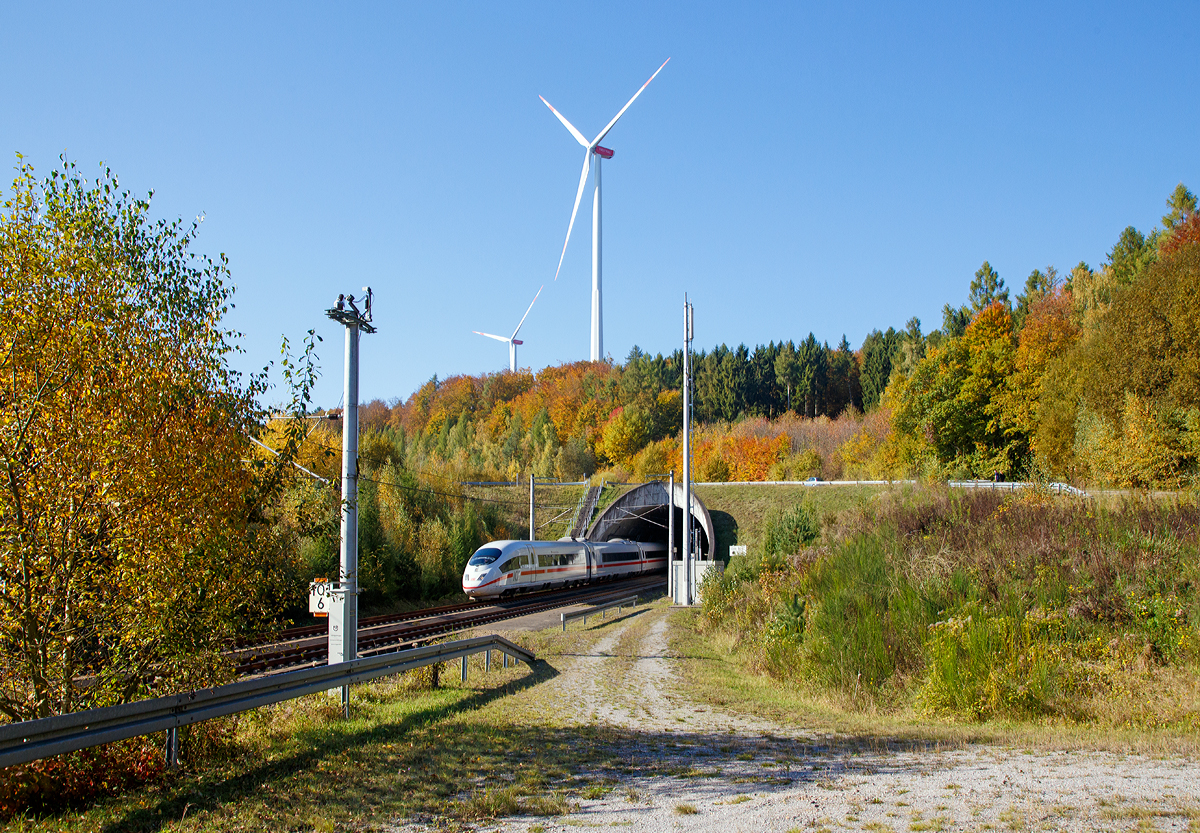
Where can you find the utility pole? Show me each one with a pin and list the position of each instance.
(343, 614)
(671, 533)
(685, 594)
(532, 525)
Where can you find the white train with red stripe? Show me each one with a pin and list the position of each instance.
(501, 568)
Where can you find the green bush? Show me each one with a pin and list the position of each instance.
(789, 532)
(1164, 622)
(846, 641)
(982, 665)
(785, 634)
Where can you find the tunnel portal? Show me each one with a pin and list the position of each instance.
(641, 515)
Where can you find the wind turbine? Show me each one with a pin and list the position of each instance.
(601, 153)
(512, 340)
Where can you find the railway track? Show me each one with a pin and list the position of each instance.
(302, 631)
(308, 645)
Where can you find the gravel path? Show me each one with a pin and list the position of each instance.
(692, 767)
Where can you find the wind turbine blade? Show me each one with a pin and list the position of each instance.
(489, 335)
(526, 315)
(578, 136)
(587, 164)
(604, 132)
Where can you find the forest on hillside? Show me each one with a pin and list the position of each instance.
(1090, 376)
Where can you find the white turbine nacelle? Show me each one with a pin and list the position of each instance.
(593, 148)
(512, 341)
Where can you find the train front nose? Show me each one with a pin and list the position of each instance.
(474, 578)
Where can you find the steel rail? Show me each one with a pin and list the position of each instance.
(387, 638)
(301, 631)
(31, 740)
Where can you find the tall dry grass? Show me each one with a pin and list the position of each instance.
(981, 604)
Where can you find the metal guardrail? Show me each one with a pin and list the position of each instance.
(628, 601)
(30, 740)
(1003, 485)
(518, 483)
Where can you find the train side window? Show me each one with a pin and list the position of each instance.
(511, 564)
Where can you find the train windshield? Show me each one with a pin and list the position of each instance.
(485, 555)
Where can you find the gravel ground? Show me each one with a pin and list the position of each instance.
(692, 767)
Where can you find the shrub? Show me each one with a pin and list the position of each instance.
(78, 778)
(784, 635)
(1164, 622)
(425, 677)
(799, 466)
(789, 532)
(714, 469)
(983, 665)
(845, 643)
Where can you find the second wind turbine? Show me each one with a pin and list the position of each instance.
(512, 341)
(601, 153)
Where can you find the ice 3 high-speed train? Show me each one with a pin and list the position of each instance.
(502, 568)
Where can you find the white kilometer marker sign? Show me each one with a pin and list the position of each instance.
(593, 147)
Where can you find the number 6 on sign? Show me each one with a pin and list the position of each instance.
(318, 597)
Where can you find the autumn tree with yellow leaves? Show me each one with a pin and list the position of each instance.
(132, 505)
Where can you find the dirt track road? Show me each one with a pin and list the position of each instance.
(693, 767)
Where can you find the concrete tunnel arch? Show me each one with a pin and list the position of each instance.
(641, 515)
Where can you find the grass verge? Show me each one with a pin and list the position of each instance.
(740, 513)
(467, 752)
(712, 672)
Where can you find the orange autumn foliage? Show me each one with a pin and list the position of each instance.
(724, 455)
(578, 396)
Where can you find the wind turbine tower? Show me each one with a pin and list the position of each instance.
(512, 340)
(591, 149)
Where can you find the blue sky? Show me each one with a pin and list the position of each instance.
(796, 167)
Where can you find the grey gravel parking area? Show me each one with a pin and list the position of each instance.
(672, 764)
